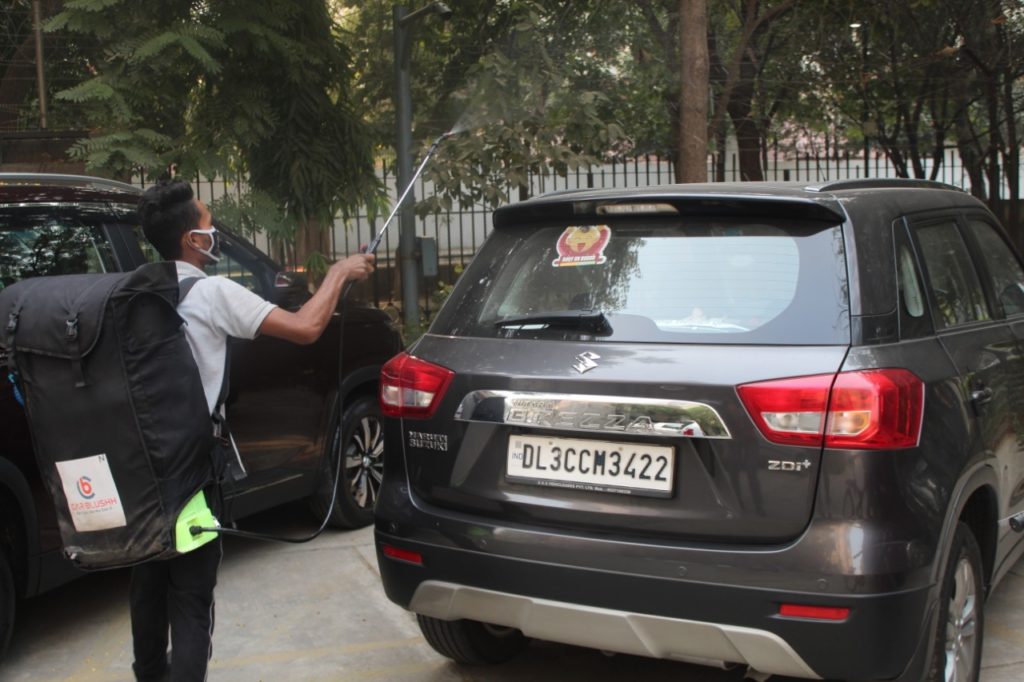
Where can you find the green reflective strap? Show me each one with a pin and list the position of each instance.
(195, 513)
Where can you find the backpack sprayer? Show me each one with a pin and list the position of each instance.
(196, 525)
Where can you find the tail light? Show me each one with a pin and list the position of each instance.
(412, 388)
(876, 409)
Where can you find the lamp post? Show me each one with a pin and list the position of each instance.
(37, 23)
(863, 27)
(403, 20)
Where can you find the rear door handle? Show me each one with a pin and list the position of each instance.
(980, 396)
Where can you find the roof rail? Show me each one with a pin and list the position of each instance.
(880, 183)
(85, 181)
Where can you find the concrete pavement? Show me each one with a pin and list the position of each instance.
(317, 612)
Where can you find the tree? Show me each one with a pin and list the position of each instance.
(691, 163)
(17, 58)
(526, 79)
(744, 42)
(916, 78)
(988, 44)
(253, 88)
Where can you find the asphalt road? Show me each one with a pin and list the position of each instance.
(317, 612)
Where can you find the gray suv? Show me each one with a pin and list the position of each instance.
(770, 425)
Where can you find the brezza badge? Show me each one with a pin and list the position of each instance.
(547, 414)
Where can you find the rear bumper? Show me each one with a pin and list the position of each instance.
(473, 571)
(626, 632)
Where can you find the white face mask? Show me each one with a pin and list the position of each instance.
(214, 251)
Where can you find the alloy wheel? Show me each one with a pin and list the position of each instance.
(962, 624)
(364, 461)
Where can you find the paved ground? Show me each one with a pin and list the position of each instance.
(317, 612)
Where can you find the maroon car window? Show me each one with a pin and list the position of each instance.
(34, 243)
(228, 266)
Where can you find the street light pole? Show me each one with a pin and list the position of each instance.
(863, 28)
(403, 148)
(40, 71)
(403, 19)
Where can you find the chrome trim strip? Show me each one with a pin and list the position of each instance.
(626, 632)
(594, 413)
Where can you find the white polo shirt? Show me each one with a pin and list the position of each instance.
(215, 309)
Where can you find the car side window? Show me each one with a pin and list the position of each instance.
(1004, 270)
(914, 320)
(229, 267)
(952, 280)
(234, 269)
(34, 244)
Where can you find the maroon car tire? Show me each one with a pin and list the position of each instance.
(360, 442)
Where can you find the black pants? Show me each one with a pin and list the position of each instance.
(177, 594)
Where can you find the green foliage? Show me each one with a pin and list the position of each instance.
(436, 299)
(298, 96)
(527, 79)
(244, 88)
(255, 211)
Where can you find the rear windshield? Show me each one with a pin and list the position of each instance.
(686, 280)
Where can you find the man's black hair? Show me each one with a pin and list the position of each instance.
(167, 211)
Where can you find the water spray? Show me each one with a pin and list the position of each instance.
(372, 248)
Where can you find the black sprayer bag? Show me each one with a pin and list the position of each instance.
(115, 405)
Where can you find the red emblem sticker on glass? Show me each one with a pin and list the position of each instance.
(582, 245)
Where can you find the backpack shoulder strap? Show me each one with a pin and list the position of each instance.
(185, 286)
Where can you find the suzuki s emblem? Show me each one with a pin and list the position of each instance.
(585, 361)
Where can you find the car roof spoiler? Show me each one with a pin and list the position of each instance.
(585, 205)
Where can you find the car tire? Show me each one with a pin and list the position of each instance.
(470, 642)
(7, 601)
(958, 637)
(361, 441)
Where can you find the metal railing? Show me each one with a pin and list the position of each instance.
(458, 232)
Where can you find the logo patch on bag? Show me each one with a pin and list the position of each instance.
(91, 494)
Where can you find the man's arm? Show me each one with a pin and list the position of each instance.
(307, 324)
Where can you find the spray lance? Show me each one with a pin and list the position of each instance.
(199, 523)
(372, 247)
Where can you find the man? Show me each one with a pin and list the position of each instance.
(178, 593)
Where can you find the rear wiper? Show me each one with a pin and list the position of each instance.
(590, 320)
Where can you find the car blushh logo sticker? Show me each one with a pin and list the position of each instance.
(85, 488)
(91, 494)
(582, 245)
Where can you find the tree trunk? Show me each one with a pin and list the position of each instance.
(310, 239)
(992, 156)
(748, 136)
(691, 164)
(968, 146)
(17, 83)
(1011, 160)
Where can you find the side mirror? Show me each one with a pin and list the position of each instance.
(291, 290)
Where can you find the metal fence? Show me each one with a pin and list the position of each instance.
(458, 232)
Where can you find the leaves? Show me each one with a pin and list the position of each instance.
(248, 88)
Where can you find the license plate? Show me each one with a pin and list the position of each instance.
(597, 465)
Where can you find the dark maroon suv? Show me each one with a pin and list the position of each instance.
(770, 425)
(282, 401)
